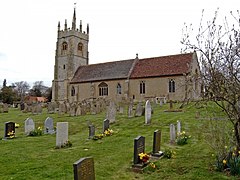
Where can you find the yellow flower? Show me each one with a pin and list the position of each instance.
(212, 155)
(224, 161)
(225, 147)
(233, 154)
(183, 132)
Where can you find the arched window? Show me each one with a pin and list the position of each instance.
(142, 87)
(171, 85)
(80, 47)
(73, 91)
(64, 46)
(119, 88)
(103, 89)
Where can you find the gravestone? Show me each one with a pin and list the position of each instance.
(121, 109)
(139, 147)
(139, 110)
(156, 143)
(172, 134)
(91, 129)
(171, 104)
(9, 130)
(62, 133)
(83, 169)
(34, 109)
(161, 103)
(105, 125)
(130, 110)
(5, 108)
(48, 126)
(178, 127)
(39, 108)
(29, 126)
(148, 112)
(111, 113)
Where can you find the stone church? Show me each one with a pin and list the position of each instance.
(173, 77)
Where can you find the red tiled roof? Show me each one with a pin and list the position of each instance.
(162, 66)
(103, 71)
(140, 68)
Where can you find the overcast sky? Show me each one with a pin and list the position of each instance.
(118, 30)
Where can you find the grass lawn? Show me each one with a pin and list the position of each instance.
(29, 158)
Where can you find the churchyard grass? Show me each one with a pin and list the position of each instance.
(26, 157)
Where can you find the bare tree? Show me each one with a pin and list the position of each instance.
(218, 49)
(22, 88)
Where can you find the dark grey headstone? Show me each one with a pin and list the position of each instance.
(156, 143)
(84, 169)
(106, 125)
(139, 147)
(91, 131)
(9, 128)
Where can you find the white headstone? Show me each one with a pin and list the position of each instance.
(29, 126)
(62, 133)
(48, 126)
(172, 133)
(178, 126)
(148, 112)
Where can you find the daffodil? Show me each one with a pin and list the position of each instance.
(224, 161)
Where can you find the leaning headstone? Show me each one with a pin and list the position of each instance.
(139, 147)
(148, 112)
(139, 110)
(29, 126)
(91, 129)
(9, 130)
(48, 126)
(178, 126)
(111, 113)
(121, 109)
(156, 143)
(62, 134)
(105, 125)
(172, 134)
(83, 169)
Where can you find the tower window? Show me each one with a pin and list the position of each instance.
(73, 91)
(142, 87)
(119, 89)
(64, 66)
(171, 85)
(64, 46)
(103, 89)
(80, 46)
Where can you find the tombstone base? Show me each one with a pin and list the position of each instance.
(138, 168)
(156, 155)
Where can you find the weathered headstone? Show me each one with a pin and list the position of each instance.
(91, 129)
(9, 130)
(172, 134)
(148, 112)
(84, 169)
(105, 125)
(111, 113)
(5, 108)
(171, 104)
(156, 143)
(139, 147)
(39, 108)
(62, 133)
(121, 109)
(48, 126)
(139, 110)
(130, 110)
(161, 103)
(178, 126)
(29, 126)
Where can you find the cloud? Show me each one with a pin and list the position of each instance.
(3, 56)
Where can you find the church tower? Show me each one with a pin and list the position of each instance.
(71, 52)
